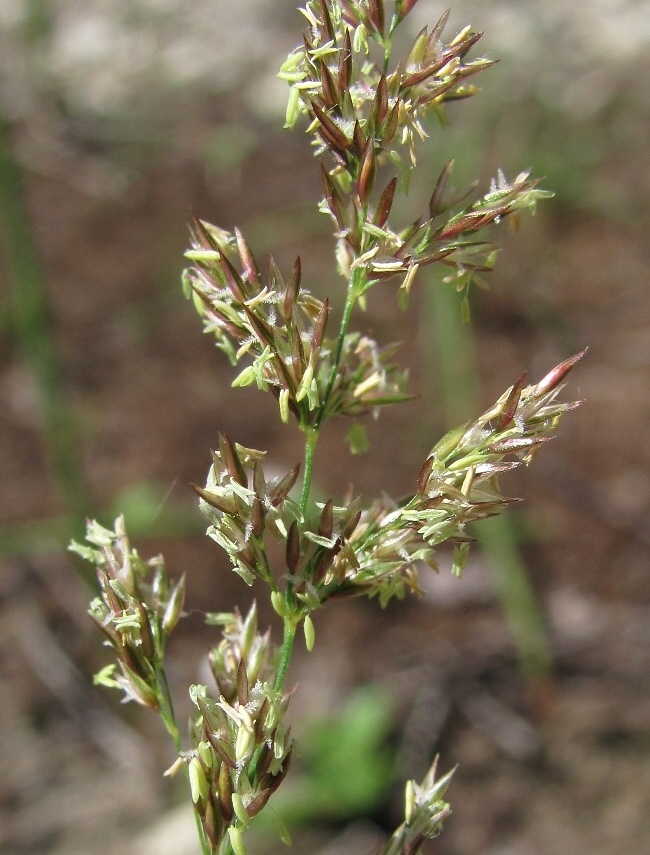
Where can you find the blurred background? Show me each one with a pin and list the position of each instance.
(118, 121)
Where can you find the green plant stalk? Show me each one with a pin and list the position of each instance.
(206, 847)
(355, 287)
(287, 649)
(289, 635)
(167, 708)
(310, 450)
(456, 366)
(168, 717)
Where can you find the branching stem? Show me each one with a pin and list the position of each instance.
(354, 289)
(313, 431)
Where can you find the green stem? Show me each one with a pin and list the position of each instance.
(354, 289)
(287, 648)
(388, 45)
(313, 431)
(169, 719)
(285, 658)
(167, 709)
(310, 449)
(225, 847)
(262, 562)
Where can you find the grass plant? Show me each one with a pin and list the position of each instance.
(367, 113)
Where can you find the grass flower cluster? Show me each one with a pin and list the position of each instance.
(367, 113)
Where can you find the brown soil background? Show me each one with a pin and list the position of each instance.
(544, 767)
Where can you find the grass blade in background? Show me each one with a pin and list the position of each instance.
(27, 319)
(452, 352)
